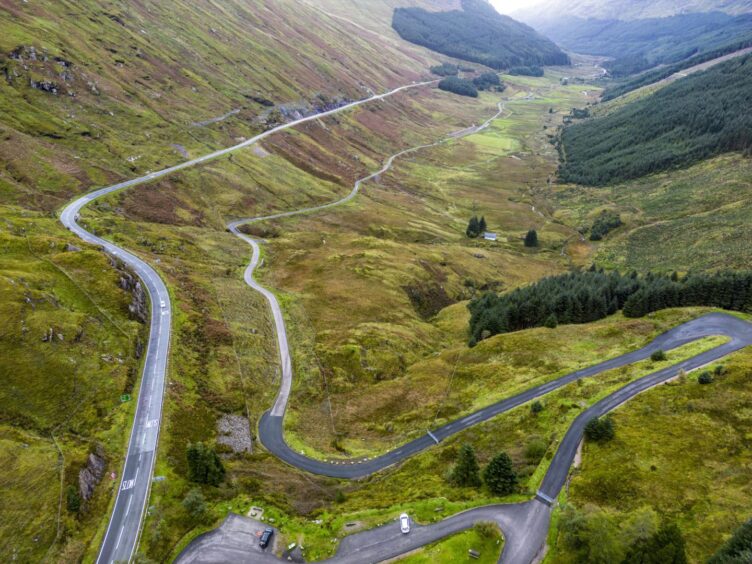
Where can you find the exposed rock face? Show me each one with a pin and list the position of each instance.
(137, 307)
(90, 475)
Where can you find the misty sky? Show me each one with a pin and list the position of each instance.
(508, 6)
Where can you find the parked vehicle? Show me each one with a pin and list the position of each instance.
(266, 536)
(404, 523)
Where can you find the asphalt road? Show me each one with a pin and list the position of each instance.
(123, 530)
(125, 522)
(525, 526)
(271, 427)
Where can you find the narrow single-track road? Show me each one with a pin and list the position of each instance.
(121, 537)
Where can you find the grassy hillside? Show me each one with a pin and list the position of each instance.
(681, 452)
(672, 221)
(91, 94)
(97, 94)
(69, 349)
(479, 34)
(698, 117)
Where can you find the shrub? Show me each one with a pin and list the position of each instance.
(536, 407)
(72, 499)
(487, 81)
(658, 356)
(526, 71)
(487, 530)
(531, 239)
(445, 69)
(195, 504)
(459, 86)
(204, 465)
(339, 497)
(705, 378)
(600, 429)
(535, 450)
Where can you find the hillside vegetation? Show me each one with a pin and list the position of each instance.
(479, 34)
(641, 44)
(692, 119)
(629, 9)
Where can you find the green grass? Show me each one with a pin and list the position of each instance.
(681, 449)
(673, 221)
(60, 393)
(456, 549)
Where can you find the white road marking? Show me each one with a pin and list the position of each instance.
(128, 508)
(117, 544)
(128, 484)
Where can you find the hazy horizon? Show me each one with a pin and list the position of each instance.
(509, 6)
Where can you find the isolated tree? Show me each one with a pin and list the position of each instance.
(600, 429)
(466, 472)
(705, 378)
(658, 356)
(531, 239)
(204, 466)
(195, 503)
(499, 475)
(536, 407)
(473, 227)
(482, 225)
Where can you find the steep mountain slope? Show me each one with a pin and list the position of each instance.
(117, 87)
(627, 9)
(640, 44)
(92, 93)
(479, 34)
(692, 119)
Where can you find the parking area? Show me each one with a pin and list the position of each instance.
(236, 540)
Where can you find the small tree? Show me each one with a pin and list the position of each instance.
(195, 504)
(499, 475)
(466, 472)
(600, 429)
(531, 239)
(551, 321)
(658, 356)
(72, 499)
(536, 407)
(204, 466)
(473, 228)
(705, 378)
(482, 226)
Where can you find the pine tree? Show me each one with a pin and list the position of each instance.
(204, 466)
(499, 475)
(473, 228)
(531, 239)
(482, 225)
(466, 472)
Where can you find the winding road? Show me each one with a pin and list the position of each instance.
(524, 525)
(124, 527)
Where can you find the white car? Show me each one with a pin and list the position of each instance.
(404, 523)
(162, 304)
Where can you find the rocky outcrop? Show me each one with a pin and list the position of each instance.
(90, 475)
(137, 307)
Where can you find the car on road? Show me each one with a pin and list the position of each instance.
(266, 536)
(162, 304)
(404, 523)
